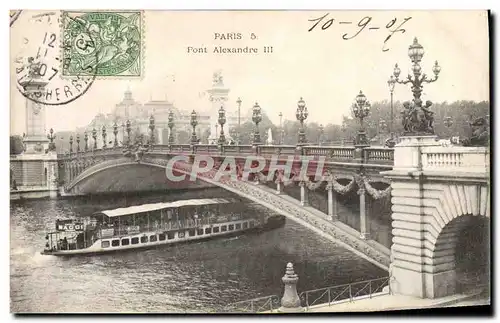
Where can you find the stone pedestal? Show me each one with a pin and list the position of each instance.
(418, 268)
(408, 152)
(36, 175)
(290, 303)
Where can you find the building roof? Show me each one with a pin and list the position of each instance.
(160, 206)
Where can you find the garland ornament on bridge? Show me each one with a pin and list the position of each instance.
(417, 119)
(376, 194)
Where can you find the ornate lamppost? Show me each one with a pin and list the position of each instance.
(104, 145)
(70, 144)
(361, 109)
(256, 118)
(222, 121)
(382, 125)
(94, 136)
(417, 118)
(128, 132)
(77, 143)
(170, 125)
(301, 115)
(448, 122)
(152, 129)
(115, 132)
(194, 123)
(281, 128)
(391, 82)
(86, 139)
(51, 137)
(320, 136)
(343, 128)
(239, 122)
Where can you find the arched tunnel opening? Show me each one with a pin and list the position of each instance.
(472, 254)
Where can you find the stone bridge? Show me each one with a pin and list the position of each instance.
(357, 168)
(440, 197)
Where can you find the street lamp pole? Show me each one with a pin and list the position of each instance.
(382, 125)
(421, 125)
(448, 122)
(392, 82)
(321, 129)
(239, 122)
(281, 128)
(343, 128)
(170, 125)
(256, 118)
(301, 115)
(194, 123)
(361, 109)
(51, 137)
(152, 139)
(222, 121)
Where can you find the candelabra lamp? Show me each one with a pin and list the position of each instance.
(170, 125)
(94, 136)
(194, 123)
(417, 117)
(361, 110)
(222, 121)
(256, 118)
(152, 130)
(301, 114)
(51, 137)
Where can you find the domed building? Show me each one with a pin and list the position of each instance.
(139, 116)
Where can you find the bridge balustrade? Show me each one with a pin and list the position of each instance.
(209, 149)
(377, 155)
(370, 154)
(463, 159)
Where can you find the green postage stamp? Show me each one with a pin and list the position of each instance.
(102, 43)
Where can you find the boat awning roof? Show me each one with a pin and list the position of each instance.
(164, 205)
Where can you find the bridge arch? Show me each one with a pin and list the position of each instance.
(428, 225)
(259, 195)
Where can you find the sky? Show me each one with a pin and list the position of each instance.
(318, 65)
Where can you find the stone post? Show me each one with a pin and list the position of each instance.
(363, 223)
(413, 272)
(332, 202)
(304, 201)
(290, 301)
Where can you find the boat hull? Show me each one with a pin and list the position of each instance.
(102, 246)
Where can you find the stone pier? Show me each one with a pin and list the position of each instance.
(435, 192)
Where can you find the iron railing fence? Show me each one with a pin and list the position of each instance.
(309, 298)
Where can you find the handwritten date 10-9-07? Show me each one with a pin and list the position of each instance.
(365, 23)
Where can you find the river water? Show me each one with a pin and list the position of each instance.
(183, 278)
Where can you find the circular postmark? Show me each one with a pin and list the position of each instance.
(38, 63)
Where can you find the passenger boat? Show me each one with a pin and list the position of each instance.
(155, 224)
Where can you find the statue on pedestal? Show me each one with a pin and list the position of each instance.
(480, 134)
(417, 119)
